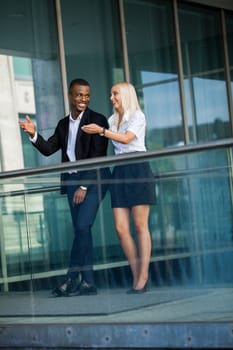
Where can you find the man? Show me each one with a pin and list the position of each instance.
(81, 186)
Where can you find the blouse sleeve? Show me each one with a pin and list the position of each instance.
(137, 123)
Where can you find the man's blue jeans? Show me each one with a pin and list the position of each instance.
(83, 216)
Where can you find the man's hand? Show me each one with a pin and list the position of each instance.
(79, 196)
(28, 126)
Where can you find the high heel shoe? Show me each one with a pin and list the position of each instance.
(138, 291)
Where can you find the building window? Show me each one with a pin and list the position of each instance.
(204, 72)
(30, 78)
(92, 43)
(153, 69)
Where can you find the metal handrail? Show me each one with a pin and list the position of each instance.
(100, 162)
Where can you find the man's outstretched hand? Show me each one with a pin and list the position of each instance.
(28, 126)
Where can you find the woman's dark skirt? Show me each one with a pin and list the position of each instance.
(132, 184)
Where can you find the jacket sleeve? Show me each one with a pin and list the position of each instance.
(97, 148)
(50, 146)
(99, 144)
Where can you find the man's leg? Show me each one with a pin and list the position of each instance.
(81, 257)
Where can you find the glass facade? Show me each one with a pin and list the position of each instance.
(179, 56)
(30, 76)
(151, 46)
(92, 45)
(229, 30)
(204, 73)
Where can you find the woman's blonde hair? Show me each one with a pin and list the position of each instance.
(128, 97)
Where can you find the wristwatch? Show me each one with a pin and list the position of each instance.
(102, 133)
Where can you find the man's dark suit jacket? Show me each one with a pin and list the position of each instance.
(87, 146)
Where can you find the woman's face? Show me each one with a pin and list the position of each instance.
(115, 97)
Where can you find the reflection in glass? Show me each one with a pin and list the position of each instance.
(205, 87)
(92, 45)
(153, 68)
(30, 78)
(229, 29)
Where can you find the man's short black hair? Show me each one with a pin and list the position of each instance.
(78, 81)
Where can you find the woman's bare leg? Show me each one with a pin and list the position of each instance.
(122, 225)
(140, 216)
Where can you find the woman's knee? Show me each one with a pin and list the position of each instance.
(141, 226)
(120, 230)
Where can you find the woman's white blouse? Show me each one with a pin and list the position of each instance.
(137, 125)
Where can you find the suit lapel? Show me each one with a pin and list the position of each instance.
(85, 118)
(79, 147)
(66, 130)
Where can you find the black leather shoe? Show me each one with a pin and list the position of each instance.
(64, 289)
(84, 289)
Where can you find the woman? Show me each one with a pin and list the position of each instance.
(129, 193)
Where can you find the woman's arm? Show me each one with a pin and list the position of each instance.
(125, 138)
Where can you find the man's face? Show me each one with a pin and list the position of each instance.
(79, 97)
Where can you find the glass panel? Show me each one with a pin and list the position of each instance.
(229, 27)
(29, 77)
(205, 87)
(93, 46)
(190, 226)
(153, 69)
(192, 215)
(191, 262)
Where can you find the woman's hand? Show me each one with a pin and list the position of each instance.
(124, 138)
(92, 129)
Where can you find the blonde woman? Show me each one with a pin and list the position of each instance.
(133, 189)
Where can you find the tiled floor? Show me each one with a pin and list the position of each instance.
(157, 305)
(162, 318)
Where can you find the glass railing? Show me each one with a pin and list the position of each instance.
(191, 228)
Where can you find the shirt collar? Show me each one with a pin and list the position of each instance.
(126, 116)
(78, 119)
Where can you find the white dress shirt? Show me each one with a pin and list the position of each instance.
(73, 130)
(136, 123)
